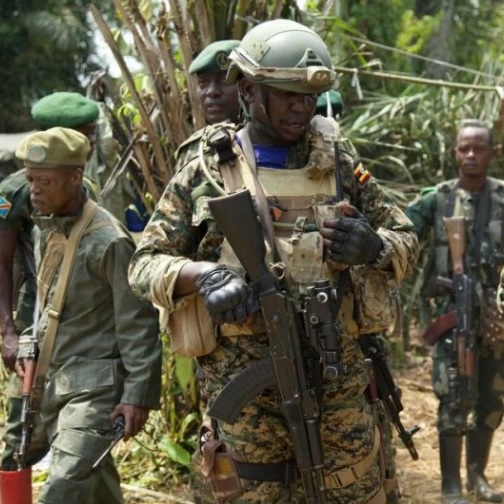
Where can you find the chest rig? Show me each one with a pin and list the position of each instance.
(297, 200)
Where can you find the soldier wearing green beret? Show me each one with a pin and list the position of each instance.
(218, 98)
(106, 355)
(88, 116)
(17, 263)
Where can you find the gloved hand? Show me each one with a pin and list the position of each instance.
(350, 239)
(228, 298)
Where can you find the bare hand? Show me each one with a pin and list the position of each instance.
(10, 348)
(134, 417)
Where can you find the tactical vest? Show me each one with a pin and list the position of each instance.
(299, 200)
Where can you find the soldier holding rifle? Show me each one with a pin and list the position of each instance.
(285, 158)
(467, 216)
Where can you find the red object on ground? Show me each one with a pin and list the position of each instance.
(16, 487)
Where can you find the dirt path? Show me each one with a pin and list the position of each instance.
(420, 481)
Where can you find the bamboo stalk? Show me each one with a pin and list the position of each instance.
(417, 80)
(149, 55)
(149, 128)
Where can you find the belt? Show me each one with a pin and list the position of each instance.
(286, 472)
(282, 472)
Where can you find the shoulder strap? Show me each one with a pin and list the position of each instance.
(54, 311)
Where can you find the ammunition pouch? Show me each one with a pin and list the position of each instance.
(376, 298)
(491, 330)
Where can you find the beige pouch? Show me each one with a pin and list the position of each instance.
(190, 328)
(376, 298)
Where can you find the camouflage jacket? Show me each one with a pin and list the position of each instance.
(182, 229)
(427, 213)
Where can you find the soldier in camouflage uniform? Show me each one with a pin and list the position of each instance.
(480, 200)
(218, 98)
(17, 262)
(183, 261)
(105, 359)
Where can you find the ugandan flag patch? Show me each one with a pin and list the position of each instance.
(5, 207)
(361, 174)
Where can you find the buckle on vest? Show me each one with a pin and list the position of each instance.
(221, 142)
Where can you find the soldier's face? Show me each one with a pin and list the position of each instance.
(473, 151)
(54, 190)
(279, 117)
(218, 99)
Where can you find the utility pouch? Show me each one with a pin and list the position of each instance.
(377, 302)
(220, 470)
(190, 328)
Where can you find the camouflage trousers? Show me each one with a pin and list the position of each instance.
(260, 436)
(488, 407)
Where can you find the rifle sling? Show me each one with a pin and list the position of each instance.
(58, 300)
(260, 197)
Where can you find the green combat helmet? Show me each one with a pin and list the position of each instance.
(283, 54)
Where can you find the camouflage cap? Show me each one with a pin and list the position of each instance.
(214, 58)
(53, 148)
(65, 109)
(334, 99)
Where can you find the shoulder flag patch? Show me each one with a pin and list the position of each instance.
(5, 207)
(361, 174)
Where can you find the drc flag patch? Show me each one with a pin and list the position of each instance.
(5, 207)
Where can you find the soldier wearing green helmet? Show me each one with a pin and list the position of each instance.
(285, 156)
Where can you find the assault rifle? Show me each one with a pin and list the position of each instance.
(26, 409)
(462, 371)
(387, 391)
(286, 366)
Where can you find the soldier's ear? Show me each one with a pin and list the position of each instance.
(77, 176)
(497, 149)
(246, 90)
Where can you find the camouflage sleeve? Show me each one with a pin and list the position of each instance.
(421, 211)
(15, 207)
(180, 230)
(400, 243)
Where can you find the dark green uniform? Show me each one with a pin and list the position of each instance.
(427, 213)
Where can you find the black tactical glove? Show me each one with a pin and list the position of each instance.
(350, 239)
(228, 298)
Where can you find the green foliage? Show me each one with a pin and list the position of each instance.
(45, 46)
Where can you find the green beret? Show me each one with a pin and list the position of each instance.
(53, 148)
(335, 100)
(68, 110)
(214, 58)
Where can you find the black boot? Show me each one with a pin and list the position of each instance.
(478, 444)
(450, 453)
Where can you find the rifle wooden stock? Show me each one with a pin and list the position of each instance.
(455, 230)
(237, 218)
(462, 377)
